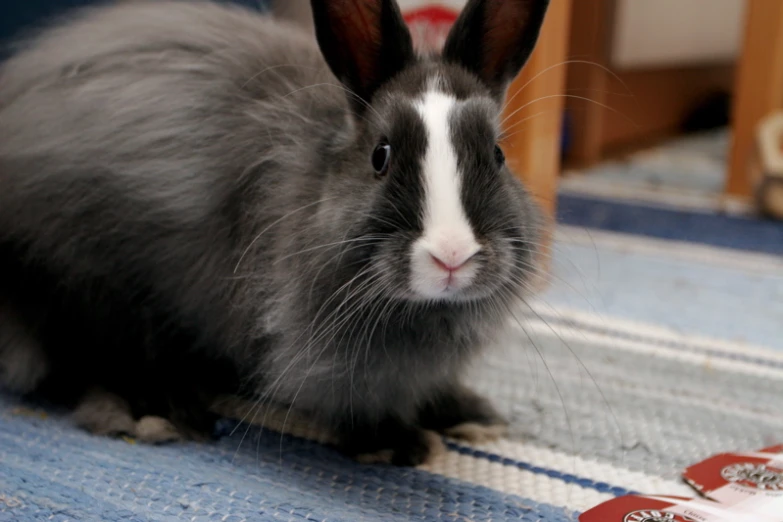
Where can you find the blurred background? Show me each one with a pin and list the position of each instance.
(649, 87)
(650, 132)
(650, 118)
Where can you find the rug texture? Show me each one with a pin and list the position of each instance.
(672, 191)
(643, 357)
(659, 343)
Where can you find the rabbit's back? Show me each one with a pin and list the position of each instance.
(131, 138)
(139, 77)
(165, 104)
(181, 36)
(191, 201)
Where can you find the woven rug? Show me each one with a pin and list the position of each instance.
(671, 191)
(644, 356)
(687, 172)
(649, 352)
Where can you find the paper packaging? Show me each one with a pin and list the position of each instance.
(641, 508)
(750, 482)
(740, 487)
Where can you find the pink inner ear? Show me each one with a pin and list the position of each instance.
(357, 22)
(505, 21)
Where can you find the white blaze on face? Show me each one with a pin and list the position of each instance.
(441, 258)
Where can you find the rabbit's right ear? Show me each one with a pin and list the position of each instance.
(365, 43)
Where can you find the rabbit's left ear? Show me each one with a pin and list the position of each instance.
(365, 42)
(493, 39)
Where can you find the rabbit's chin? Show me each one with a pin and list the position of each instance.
(461, 288)
(477, 297)
(455, 297)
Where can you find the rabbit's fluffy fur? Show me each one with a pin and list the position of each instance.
(196, 199)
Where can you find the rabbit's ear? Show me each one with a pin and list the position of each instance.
(365, 43)
(494, 38)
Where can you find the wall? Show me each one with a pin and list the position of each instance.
(639, 66)
(674, 33)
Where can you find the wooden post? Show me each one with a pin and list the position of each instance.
(534, 113)
(759, 87)
(589, 45)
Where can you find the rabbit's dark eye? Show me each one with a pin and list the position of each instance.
(380, 158)
(500, 158)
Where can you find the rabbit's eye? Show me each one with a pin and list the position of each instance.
(380, 158)
(500, 158)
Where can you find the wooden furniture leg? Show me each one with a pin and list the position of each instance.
(588, 80)
(534, 115)
(759, 87)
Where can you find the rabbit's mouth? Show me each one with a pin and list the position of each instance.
(478, 276)
(443, 273)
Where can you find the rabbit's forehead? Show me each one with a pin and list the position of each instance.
(444, 212)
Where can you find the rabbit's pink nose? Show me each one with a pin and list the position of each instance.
(452, 261)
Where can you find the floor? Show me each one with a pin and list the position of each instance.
(694, 264)
(673, 191)
(686, 173)
(690, 288)
(658, 343)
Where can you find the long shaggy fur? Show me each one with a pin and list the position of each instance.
(187, 209)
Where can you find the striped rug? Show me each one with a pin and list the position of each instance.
(644, 356)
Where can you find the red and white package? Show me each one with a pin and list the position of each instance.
(642, 508)
(740, 487)
(430, 21)
(748, 482)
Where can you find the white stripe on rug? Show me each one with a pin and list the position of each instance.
(542, 488)
(655, 334)
(608, 341)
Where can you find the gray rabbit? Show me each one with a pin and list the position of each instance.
(198, 200)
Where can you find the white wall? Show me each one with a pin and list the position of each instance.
(651, 33)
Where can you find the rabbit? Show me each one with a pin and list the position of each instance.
(199, 200)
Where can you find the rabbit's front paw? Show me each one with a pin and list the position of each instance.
(398, 445)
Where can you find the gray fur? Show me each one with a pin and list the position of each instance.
(103, 413)
(23, 364)
(209, 156)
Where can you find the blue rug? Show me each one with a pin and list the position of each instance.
(709, 228)
(673, 191)
(52, 472)
(615, 382)
(658, 343)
